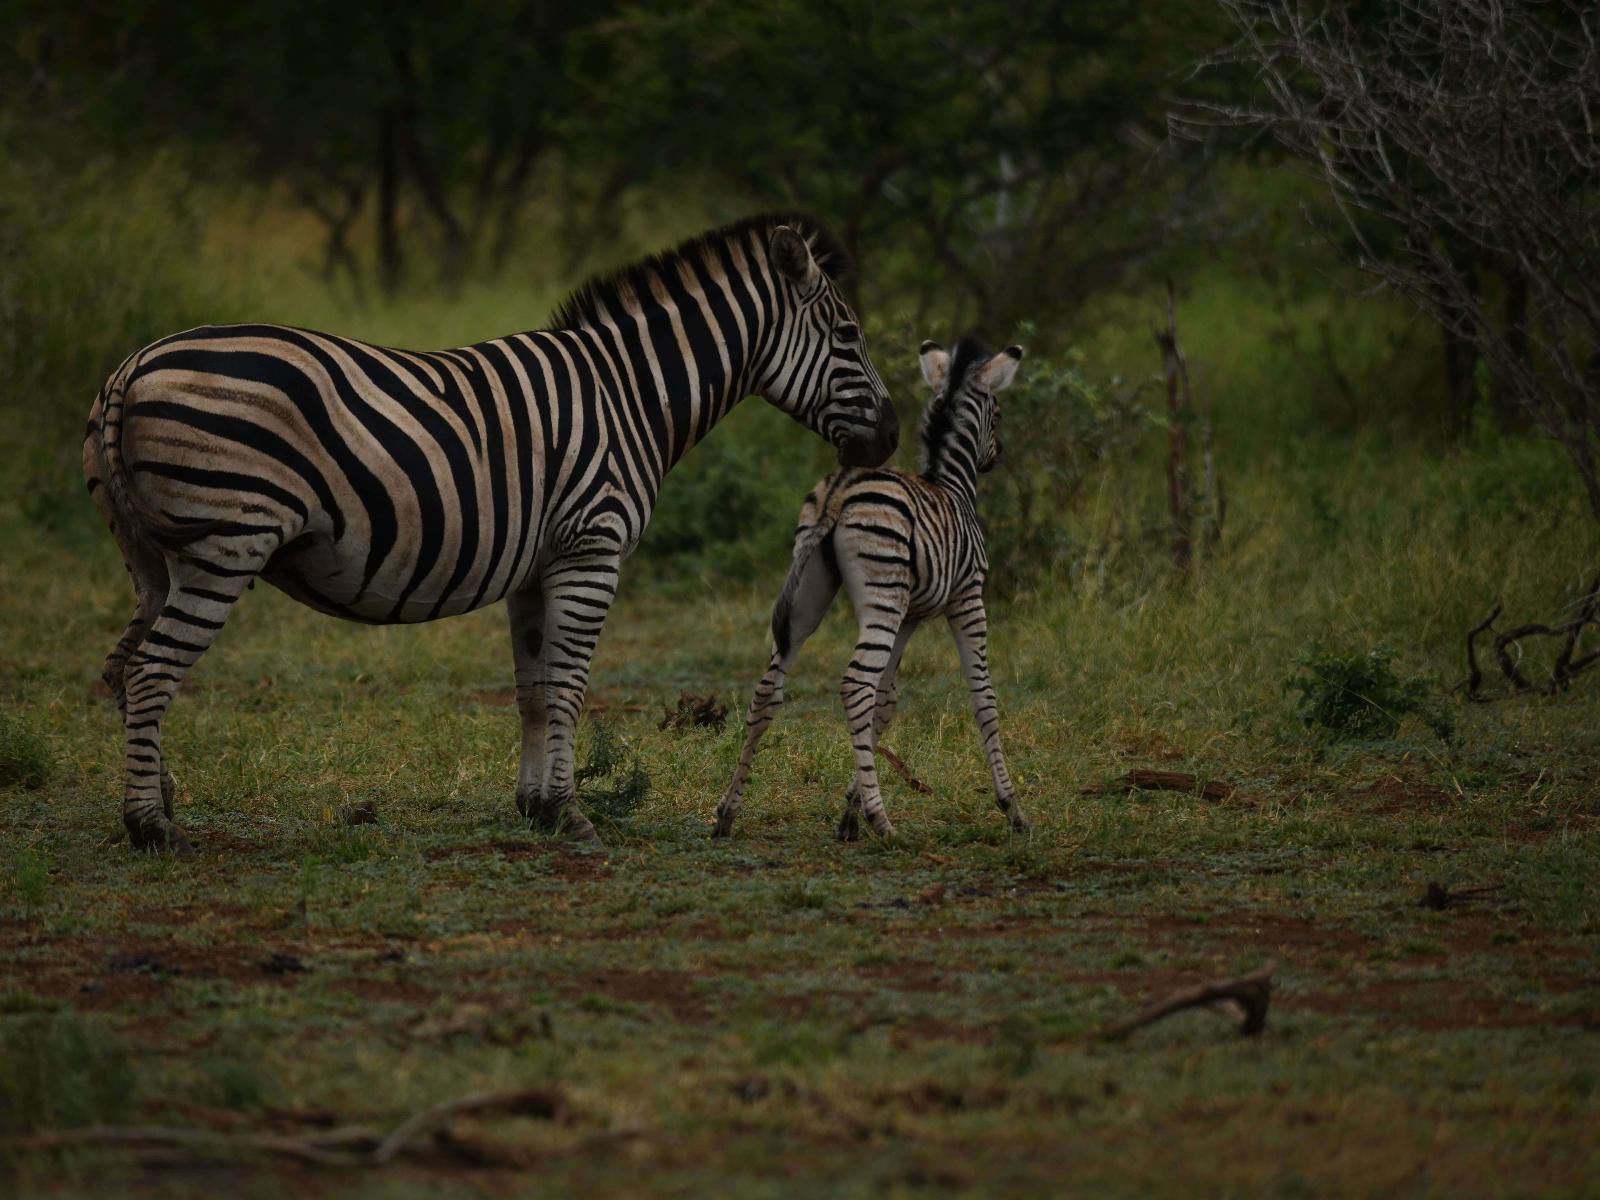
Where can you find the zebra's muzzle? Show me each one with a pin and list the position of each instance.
(875, 448)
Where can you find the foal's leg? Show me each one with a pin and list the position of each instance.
(888, 700)
(970, 626)
(880, 616)
(809, 600)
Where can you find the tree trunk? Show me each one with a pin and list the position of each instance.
(390, 260)
(1508, 413)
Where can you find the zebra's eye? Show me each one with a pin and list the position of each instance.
(847, 334)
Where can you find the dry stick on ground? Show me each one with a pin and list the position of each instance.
(1149, 780)
(898, 764)
(1245, 997)
(1566, 667)
(324, 1149)
(1438, 897)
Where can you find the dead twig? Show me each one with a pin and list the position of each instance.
(1246, 998)
(1148, 780)
(694, 712)
(1474, 673)
(1438, 897)
(1566, 668)
(346, 1146)
(899, 765)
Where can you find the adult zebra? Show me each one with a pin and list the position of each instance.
(393, 486)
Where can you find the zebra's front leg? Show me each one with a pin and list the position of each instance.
(578, 592)
(526, 610)
(969, 624)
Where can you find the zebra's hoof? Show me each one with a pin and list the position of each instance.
(850, 826)
(578, 828)
(1021, 824)
(723, 828)
(160, 836)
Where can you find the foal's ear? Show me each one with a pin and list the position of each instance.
(935, 365)
(1000, 370)
(792, 257)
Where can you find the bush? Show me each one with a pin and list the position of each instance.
(1358, 697)
(24, 755)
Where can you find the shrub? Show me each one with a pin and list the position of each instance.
(24, 754)
(1359, 697)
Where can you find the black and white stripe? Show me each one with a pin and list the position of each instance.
(906, 548)
(388, 485)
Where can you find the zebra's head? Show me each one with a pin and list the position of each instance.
(819, 372)
(962, 423)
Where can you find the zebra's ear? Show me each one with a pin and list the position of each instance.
(792, 257)
(1000, 370)
(935, 365)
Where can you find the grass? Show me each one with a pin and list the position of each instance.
(783, 1014)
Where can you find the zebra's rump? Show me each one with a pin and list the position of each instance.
(904, 532)
(376, 484)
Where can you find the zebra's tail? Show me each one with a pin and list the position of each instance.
(141, 518)
(807, 543)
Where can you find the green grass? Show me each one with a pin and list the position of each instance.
(785, 1013)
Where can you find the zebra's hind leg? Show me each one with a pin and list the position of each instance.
(526, 610)
(148, 570)
(883, 711)
(795, 619)
(578, 591)
(198, 601)
(970, 626)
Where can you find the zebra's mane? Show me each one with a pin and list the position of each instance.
(618, 290)
(939, 418)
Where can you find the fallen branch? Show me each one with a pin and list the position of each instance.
(1566, 668)
(1245, 998)
(1438, 897)
(1148, 780)
(905, 772)
(346, 1146)
(1474, 673)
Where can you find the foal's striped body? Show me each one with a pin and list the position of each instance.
(906, 548)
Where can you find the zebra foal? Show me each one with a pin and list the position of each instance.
(389, 486)
(906, 548)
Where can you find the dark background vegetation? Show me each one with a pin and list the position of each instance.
(1377, 221)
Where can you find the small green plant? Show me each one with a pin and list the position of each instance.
(24, 754)
(1358, 697)
(612, 759)
(29, 877)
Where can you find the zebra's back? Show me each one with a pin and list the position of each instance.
(377, 484)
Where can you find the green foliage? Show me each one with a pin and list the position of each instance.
(61, 1070)
(25, 758)
(28, 877)
(611, 783)
(1069, 440)
(1358, 697)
